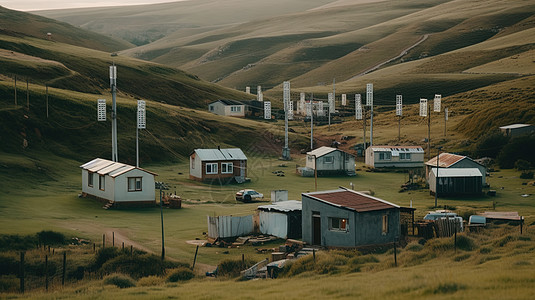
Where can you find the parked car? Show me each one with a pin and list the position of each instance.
(248, 195)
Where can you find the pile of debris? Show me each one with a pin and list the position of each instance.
(239, 241)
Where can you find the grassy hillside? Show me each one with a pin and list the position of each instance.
(85, 70)
(12, 21)
(142, 24)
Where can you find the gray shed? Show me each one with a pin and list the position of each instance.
(281, 219)
(455, 181)
(346, 218)
(331, 161)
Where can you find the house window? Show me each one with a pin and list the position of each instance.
(385, 156)
(235, 108)
(101, 182)
(385, 224)
(90, 179)
(227, 168)
(193, 162)
(405, 156)
(338, 224)
(211, 108)
(211, 168)
(329, 160)
(134, 184)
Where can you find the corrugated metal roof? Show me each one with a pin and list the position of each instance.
(228, 102)
(283, 206)
(399, 149)
(323, 150)
(220, 154)
(351, 200)
(107, 167)
(446, 160)
(457, 172)
(515, 126)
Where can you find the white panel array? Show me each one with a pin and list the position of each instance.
(286, 95)
(101, 110)
(331, 103)
(259, 95)
(320, 110)
(344, 99)
(446, 113)
(358, 107)
(301, 105)
(308, 109)
(267, 110)
(423, 107)
(113, 75)
(248, 89)
(369, 94)
(399, 105)
(290, 110)
(141, 120)
(436, 103)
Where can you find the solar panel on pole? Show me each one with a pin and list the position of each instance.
(358, 107)
(423, 107)
(436, 103)
(101, 110)
(267, 110)
(399, 105)
(141, 121)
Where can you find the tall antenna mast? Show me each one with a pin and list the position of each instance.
(141, 124)
(113, 85)
(286, 100)
(369, 101)
(312, 122)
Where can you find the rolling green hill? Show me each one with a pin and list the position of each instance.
(16, 22)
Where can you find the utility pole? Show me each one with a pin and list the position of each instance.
(286, 103)
(27, 95)
(15, 90)
(47, 101)
(399, 113)
(436, 178)
(369, 101)
(162, 187)
(141, 124)
(311, 121)
(113, 85)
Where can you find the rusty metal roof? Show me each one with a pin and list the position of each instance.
(446, 160)
(351, 200)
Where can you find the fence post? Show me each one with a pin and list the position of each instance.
(46, 272)
(314, 254)
(455, 240)
(104, 241)
(395, 255)
(122, 247)
(131, 250)
(21, 272)
(521, 223)
(195, 258)
(113, 239)
(64, 265)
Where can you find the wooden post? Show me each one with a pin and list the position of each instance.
(521, 223)
(195, 257)
(314, 254)
(123, 247)
(455, 239)
(242, 259)
(47, 101)
(94, 247)
(131, 249)
(21, 272)
(64, 266)
(104, 241)
(46, 272)
(15, 90)
(395, 255)
(113, 239)
(27, 95)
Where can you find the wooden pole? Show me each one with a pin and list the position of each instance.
(395, 255)
(521, 223)
(15, 90)
(195, 257)
(27, 95)
(104, 241)
(455, 239)
(21, 272)
(64, 267)
(428, 131)
(47, 101)
(46, 272)
(113, 239)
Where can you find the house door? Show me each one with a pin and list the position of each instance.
(316, 228)
(242, 169)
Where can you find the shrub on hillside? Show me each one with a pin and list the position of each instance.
(518, 148)
(233, 267)
(103, 255)
(120, 280)
(522, 165)
(48, 237)
(17, 242)
(465, 243)
(150, 281)
(490, 144)
(9, 284)
(181, 274)
(8, 265)
(136, 266)
(526, 175)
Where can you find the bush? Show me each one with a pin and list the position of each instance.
(103, 255)
(180, 274)
(522, 165)
(465, 243)
(120, 280)
(16, 242)
(414, 247)
(233, 267)
(526, 175)
(516, 149)
(8, 265)
(490, 145)
(136, 266)
(47, 237)
(150, 281)
(9, 284)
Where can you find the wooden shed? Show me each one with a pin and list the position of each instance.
(455, 181)
(218, 165)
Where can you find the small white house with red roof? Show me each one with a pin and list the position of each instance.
(117, 183)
